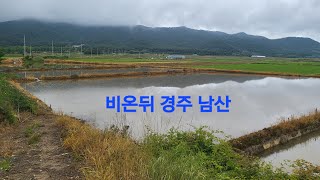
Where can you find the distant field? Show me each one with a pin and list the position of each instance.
(299, 66)
(189, 59)
(275, 65)
(292, 68)
(13, 55)
(118, 60)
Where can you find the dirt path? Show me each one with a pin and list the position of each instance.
(35, 150)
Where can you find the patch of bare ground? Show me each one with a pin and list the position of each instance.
(34, 149)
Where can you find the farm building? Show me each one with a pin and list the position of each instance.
(258, 56)
(176, 56)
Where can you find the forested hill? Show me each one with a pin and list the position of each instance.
(166, 40)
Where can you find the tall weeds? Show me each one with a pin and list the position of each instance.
(13, 101)
(190, 155)
(107, 154)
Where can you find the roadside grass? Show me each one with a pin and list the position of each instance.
(107, 154)
(32, 133)
(12, 101)
(5, 164)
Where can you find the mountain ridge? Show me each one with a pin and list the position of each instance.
(154, 39)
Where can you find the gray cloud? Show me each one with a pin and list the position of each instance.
(271, 18)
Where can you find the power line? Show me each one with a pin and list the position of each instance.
(24, 45)
(52, 48)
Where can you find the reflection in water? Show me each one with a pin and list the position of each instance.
(306, 147)
(257, 102)
(142, 82)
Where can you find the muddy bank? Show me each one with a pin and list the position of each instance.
(258, 142)
(161, 72)
(106, 75)
(254, 73)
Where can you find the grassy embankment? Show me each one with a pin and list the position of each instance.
(287, 129)
(12, 101)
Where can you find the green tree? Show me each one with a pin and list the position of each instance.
(1, 55)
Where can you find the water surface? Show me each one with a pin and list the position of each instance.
(306, 148)
(257, 101)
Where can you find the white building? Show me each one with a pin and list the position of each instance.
(176, 56)
(257, 56)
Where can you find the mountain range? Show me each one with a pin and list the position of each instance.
(178, 40)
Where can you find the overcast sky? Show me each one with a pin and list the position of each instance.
(271, 18)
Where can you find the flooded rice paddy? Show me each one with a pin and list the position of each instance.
(257, 102)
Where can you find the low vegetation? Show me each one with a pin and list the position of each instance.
(32, 133)
(107, 154)
(1, 55)
(199, 154)
(281, 66)
(5, 164)
(12, 101)
(33, 62)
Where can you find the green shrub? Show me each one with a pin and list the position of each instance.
(5, 164)
(200, 154)
(1, 55)
(33, 62)
(12, 101)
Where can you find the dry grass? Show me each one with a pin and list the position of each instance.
(107, 154)
(7, 148)
(288, 126)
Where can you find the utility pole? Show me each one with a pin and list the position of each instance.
(24, 45)
(30, 53)
(61, 51)
(52, 48)
(91, 52)
(81, 49)
(97, 51)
